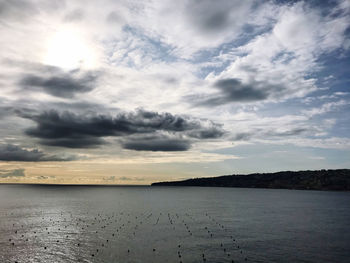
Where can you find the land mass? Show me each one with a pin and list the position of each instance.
(302, 180)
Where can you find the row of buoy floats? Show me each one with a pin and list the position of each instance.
(100, 223)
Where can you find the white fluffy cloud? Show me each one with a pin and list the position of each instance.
(282, 62)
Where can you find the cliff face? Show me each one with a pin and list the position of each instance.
(311, 180)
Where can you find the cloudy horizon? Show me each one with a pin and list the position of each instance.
(132, 92)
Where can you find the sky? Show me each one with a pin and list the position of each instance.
(133, 92)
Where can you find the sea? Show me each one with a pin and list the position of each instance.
(41, 223)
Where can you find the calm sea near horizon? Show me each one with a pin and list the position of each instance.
(172, 224)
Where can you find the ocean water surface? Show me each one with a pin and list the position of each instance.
(172, 224)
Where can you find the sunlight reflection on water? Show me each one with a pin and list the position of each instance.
(148, 224)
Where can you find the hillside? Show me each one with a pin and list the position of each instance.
(308, 180)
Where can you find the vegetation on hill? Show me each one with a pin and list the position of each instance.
(310, 180)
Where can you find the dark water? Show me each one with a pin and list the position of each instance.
(162, 224)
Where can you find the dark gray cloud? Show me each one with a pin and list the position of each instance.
(208, 15)
(242, 136)
(85, 131)
(212, 132)
(216, 16)
(9, 152)
(53, 124)
(233, 90)
(22, 10)
(16, 9)
(61, 84)
(157, 143)
(12, 173)
(78, 141)
(291, 132)
(5, 111)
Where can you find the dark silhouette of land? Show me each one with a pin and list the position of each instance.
(302, 180)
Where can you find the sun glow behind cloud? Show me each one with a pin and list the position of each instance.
(69, 49)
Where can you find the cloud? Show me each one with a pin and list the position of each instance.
(268, 133)
(192, 26)
(282, 62)
(292, 132)
(156, 143)
(326, 107)
(9, 152)
(61, 84)
(5, 111)
(74, 15)
(213, 131)
(216, 17)
(74, 142)
(110, 178)
(126, 178)
(242, 136)
(12, 173)
(42, 177)
(78, 131)
(114, 18)
(233, 90)
(16, 9)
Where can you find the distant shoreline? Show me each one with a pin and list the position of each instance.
(333, 180)
(325, 180)
(92, 185)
